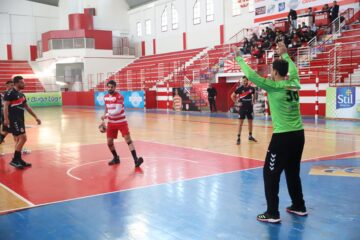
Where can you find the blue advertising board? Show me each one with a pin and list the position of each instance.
(132, 99)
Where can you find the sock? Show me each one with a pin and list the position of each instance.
(238, 135)
(250, 134)
(114, 153)
(133, 153)
(17, 155)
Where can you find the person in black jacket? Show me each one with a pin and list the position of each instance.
(334, 12)
(292, 17)
(212, 98)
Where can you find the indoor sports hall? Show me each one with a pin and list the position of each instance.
(177, 71)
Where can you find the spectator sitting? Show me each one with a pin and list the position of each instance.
(266, 45)
(304, 28)
(256, 52)
(295, 43)
(253, 39)
(246, 47)
(263, 34)
(278, 37)
(270, 35)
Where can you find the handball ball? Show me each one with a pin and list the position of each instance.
(102, 128)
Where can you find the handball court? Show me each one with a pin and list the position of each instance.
(195, 183)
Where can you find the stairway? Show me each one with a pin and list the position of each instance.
(9, 69)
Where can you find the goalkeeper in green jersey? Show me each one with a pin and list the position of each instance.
(287, 142)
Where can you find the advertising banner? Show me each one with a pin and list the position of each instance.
(343, 102)
(44, 99)
(267, 10)
(132, 99)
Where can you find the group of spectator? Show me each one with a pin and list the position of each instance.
(257, 45)
(294, 38)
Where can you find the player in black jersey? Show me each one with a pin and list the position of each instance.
(14, 107)
(245, 95)
(4, 130)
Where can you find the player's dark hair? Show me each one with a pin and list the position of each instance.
(281, 66)
(8, 82)
(244, 77)
(111, 82)
(17, 79)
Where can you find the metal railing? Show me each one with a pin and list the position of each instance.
(241, 35)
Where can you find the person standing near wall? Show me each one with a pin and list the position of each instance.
(292, 18)
(177, 101)
(212, 98)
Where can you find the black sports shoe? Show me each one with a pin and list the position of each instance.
(238, 141)
(116, 160)
(25, 164)
(251, 138)
(17, 164)
(265, 217)
(139, 161)
(297, 211)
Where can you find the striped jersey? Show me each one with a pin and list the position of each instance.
(114, 104)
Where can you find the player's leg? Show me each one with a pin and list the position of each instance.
(250, 117)
(292, 173)
(20, 137)
(111, 134)
(274, 165)
(241, 122)
(126, 135)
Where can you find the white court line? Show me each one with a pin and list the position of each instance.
(332, 138)
(130, 189)
(333, 155)
(68, 172)
(200, 149)
(17, 195)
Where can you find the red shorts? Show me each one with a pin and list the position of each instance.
(113, 129)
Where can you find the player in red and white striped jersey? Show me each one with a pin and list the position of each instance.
(115, 113)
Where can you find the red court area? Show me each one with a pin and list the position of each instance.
(80, 171)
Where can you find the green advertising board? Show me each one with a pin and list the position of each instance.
(44, 99)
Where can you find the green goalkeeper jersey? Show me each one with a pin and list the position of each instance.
(283, 96)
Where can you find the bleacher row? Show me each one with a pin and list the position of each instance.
(8, 69)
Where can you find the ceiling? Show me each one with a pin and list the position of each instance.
(131, 3)
(48, 2)
(136, 3)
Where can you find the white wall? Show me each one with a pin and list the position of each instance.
(21, 25)
(96, 62)
(201, 35)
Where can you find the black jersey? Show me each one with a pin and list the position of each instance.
(246, 94)
(17, 104)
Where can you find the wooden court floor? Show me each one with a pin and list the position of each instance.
(68, 135)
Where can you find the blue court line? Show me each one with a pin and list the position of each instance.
(216, 207)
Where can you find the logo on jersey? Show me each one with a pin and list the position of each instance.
(345, 97)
